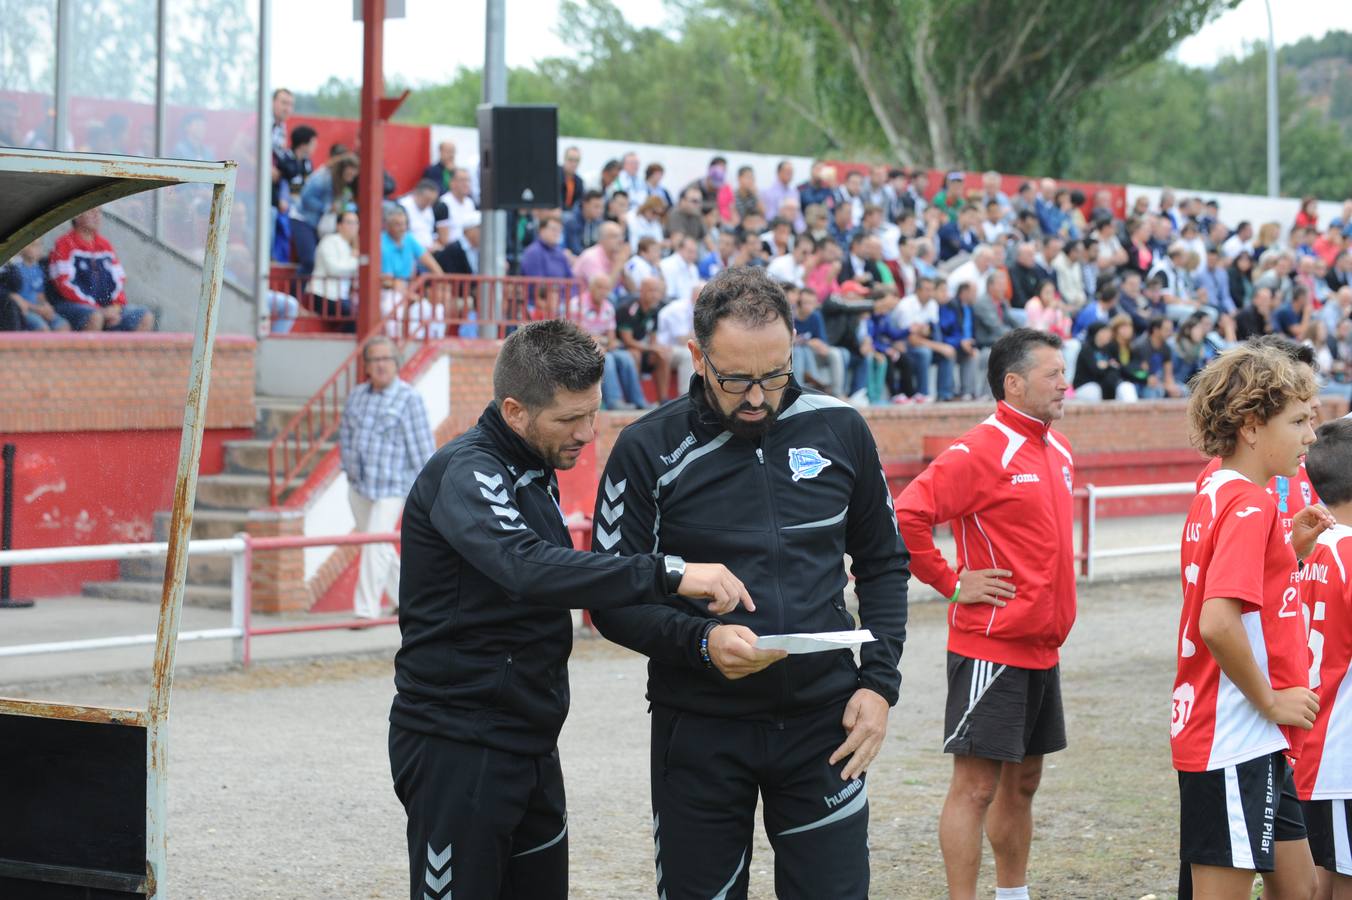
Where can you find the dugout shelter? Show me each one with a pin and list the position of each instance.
(83, 789)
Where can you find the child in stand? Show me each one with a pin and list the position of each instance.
(1324, 773)
(1241, 699)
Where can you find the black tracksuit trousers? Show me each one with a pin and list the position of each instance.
(706, 775)
(483, 824)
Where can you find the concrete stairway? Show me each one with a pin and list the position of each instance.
(223, 505)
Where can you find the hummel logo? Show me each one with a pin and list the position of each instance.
(613, 491)
(494, 482)
(434, 877)
(499, 497)
(605, 538)
(611, 513)
(1247, 511)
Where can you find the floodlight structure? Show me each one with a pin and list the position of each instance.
(84, 788)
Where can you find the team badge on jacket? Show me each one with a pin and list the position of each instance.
(806, 462)
(1065, 473)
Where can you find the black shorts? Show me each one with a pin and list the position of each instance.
(1002, 712)
(1330, 824)
(1233, 817)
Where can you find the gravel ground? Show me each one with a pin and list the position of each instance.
(280, 784)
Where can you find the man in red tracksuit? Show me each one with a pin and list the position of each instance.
(1006, 488)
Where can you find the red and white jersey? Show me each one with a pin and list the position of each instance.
(1290, 494)
(1325, 768)
(1233, 546)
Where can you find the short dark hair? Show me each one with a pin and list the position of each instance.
(742, 170)
(652, 167)
(427, 184)
(1301, 353)
(718, 160)
(744, 294)
(1329, 462)
(1107, 292)
(302, 135)
(541, 357)
(1156, 323)
(1014, 353)
(592, 195)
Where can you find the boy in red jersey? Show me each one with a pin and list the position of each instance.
(1324, 773)
(1295, 493)
(1242, 686)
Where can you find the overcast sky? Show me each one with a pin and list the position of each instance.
(422, 47)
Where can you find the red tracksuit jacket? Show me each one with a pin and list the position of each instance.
(1006, 487)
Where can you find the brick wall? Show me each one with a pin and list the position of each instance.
(901, 432)
(115, 382)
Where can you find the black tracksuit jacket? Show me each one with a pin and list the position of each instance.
(488, 576)
(781, 513)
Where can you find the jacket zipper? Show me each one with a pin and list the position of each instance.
(502, 682)
(774, 556)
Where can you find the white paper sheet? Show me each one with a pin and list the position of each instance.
(815, 643)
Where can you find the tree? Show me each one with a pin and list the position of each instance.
(977, 83)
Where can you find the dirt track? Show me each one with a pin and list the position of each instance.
(280, 785)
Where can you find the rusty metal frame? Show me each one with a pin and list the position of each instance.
(118, 176)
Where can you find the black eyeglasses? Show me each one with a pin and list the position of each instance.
(768, 383)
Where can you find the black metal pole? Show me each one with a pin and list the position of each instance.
(7, 527)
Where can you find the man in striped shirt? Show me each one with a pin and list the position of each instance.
(384, 439)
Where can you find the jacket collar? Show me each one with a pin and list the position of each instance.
(509, 442)
(707, 418)
(1024, 424)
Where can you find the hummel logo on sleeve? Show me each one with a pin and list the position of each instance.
(611, 511)
(498, 500)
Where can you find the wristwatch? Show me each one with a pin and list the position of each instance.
(674, 568)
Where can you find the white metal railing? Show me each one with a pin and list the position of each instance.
(1093, 493)
(239, 548)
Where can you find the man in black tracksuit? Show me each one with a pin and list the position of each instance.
(779, 484)
(488, 576)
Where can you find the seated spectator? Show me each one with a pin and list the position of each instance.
(90, 281)
(461, 257)
(336, 268)
(977, 270)
(950, 200)
(610, 174)
(1025, 275)
(617, 211)
(1112, 256)
(1308, 216)
(780, 239)
(620, 386)
(324, 195)
(1132, 303)
(1291, 319)
(745, 198)
(1140, 258)
(1331, 243)
(429, 220)
(818, 364)
(883, 341)
(1192, 348)
(630, 181)
(1255, 319)
(606, 257)
(851, 194)
(545, 257)
(842, 229)
(294, 164)
(1212, 282)
(646, 222)
(400, 256)
(1047, 312)
(724, 257)
(820, 188)
(675, 329)
(571, 187)
(643, 264)
(1102, 309)
(711, 186)
(779, 190)
(652, 184)
(1072, 207)
(442, 171)
(918, 314)
(1337, 310)
(1050, 216)
(1152, 355)
(1155, 303)
(23, 281)
(459, 204)
(994, 226)
(817, 220)
(1099, 369)
(1068, 268)
(679, 271)
(791, 268)
(825, 275)
(957, 328)
(1175, 283)
(687, 217)
(636, 325)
